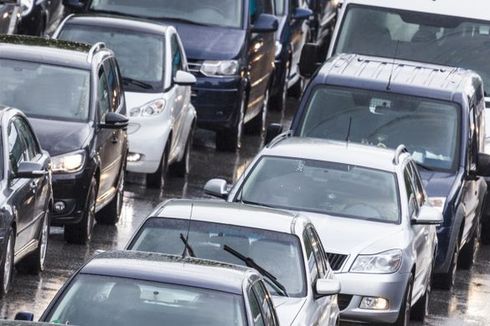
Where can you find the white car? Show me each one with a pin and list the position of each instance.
(304, 290)
(371, 212)
(157, 89)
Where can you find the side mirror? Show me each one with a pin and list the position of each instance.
(115, 120)
(326, 287)
(302, 14)
(483, 165)
(30, 170)
(184, 78)
(428, 215)
(28, 316)
(273, 130)
(217, 188)
(265, 23)
(75, 5)
(310, 60)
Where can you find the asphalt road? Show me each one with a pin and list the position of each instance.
(467, 304)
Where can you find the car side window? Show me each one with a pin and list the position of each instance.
(265, 302)
(103, 99)
(318, 251)
(177, 62)
(115, 88)
(310, 257)
(32, 147)
(412, 202)
(17, 150)
(417, 183)
(258, 319)
(258, 7)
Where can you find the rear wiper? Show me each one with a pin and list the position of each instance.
(251, 263)
(188, 247)
(135, 82)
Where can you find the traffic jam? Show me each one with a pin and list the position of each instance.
(244, 162)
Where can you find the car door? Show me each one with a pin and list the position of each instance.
(181, 94)
(299, 29)
(21, 191)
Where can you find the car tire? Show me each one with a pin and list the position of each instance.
(229, 140)
(182, 168)
(7, 267)
(157, 180)
(81, 233)
(296, 90)
(110, 214)
(468, 252)
(278, 101)
(34, 262)
(405, 308)
(420, 309)
(445, 281)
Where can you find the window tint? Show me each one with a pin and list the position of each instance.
(17, 150)
(177, 63)
(264, 300)
(318, 252)
(417, 182)
(114, 86)
(255, 309)
(310, 257)
(32, 148)
(103, 94)
(412, 203)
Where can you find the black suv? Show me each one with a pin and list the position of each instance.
(26, 198)
(77, 107)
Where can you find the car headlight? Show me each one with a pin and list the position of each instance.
(220, 68)
(383, 263)
(149, 109)
(26, 7)
(68, 163)
(438, 202)
(278, 48)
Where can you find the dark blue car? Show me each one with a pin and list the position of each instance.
(230, 47)
(437, 112)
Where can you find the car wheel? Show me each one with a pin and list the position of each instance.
(182, 167)
(157, 180)
(405, 308)
(445, 281)
(468, 252)
(278, 101)
(110, 214)
(297, 89)
(229, 140)
(257, 125)
(34, 262)
(81, 233)
(420, 309)
(7, 268)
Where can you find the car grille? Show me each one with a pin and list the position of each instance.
(343, 301)
(336, 260)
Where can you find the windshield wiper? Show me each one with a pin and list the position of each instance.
(113, 12)
(251, 263)
(135, 82)
(254, 203)
(179, 20)
(188, 247)
(425, 167)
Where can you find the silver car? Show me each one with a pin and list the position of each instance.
(370, 209)
(275, 243)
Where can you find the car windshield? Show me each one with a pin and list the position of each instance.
(322, 187)
(278, 253)
(428, 128)
(140, 55)
(100, 300)
(44, 90)
(226, 13)
(417, 36)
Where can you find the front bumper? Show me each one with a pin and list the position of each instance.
(356, 286)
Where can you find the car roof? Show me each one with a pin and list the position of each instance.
(334, 151)
(133, 24)
(163, 268)
(230, 213)
(43, 50)
(397, 76)
(477, 10)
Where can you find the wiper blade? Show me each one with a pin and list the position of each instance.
(188, 247)
(135, 82)
(425, 167)
(248, 202)
(179, 20)
(251, 263)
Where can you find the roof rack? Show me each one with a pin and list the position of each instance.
(94, 49)
(280, 138)
(401, 149)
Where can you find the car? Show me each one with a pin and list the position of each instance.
(157, 90)
(274, 243)
(39, 17)
(127, 287)
(322, 23)
(230, 46)
(430, 32)
(83, 127)
(292, 34)
(9, 20)
(371, 212)
(26, 198)
(385, 103)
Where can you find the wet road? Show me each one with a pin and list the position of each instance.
(467, 304)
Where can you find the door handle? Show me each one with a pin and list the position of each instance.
(33, 185)
(114, 138)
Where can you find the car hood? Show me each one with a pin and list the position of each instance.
(60, 137)
(437, 183)
(134, 99)
(211, 43)
(350, 236)
(287, 308)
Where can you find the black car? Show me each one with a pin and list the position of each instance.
(77, 107)
(25, 199)
(230, 48)
(39, 17)
(9, 19)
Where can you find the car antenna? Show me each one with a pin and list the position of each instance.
(187, 247)
(347, 138)
(388, 87)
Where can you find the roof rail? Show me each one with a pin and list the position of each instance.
(94, 49)
(280, 138)
(398, 152)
